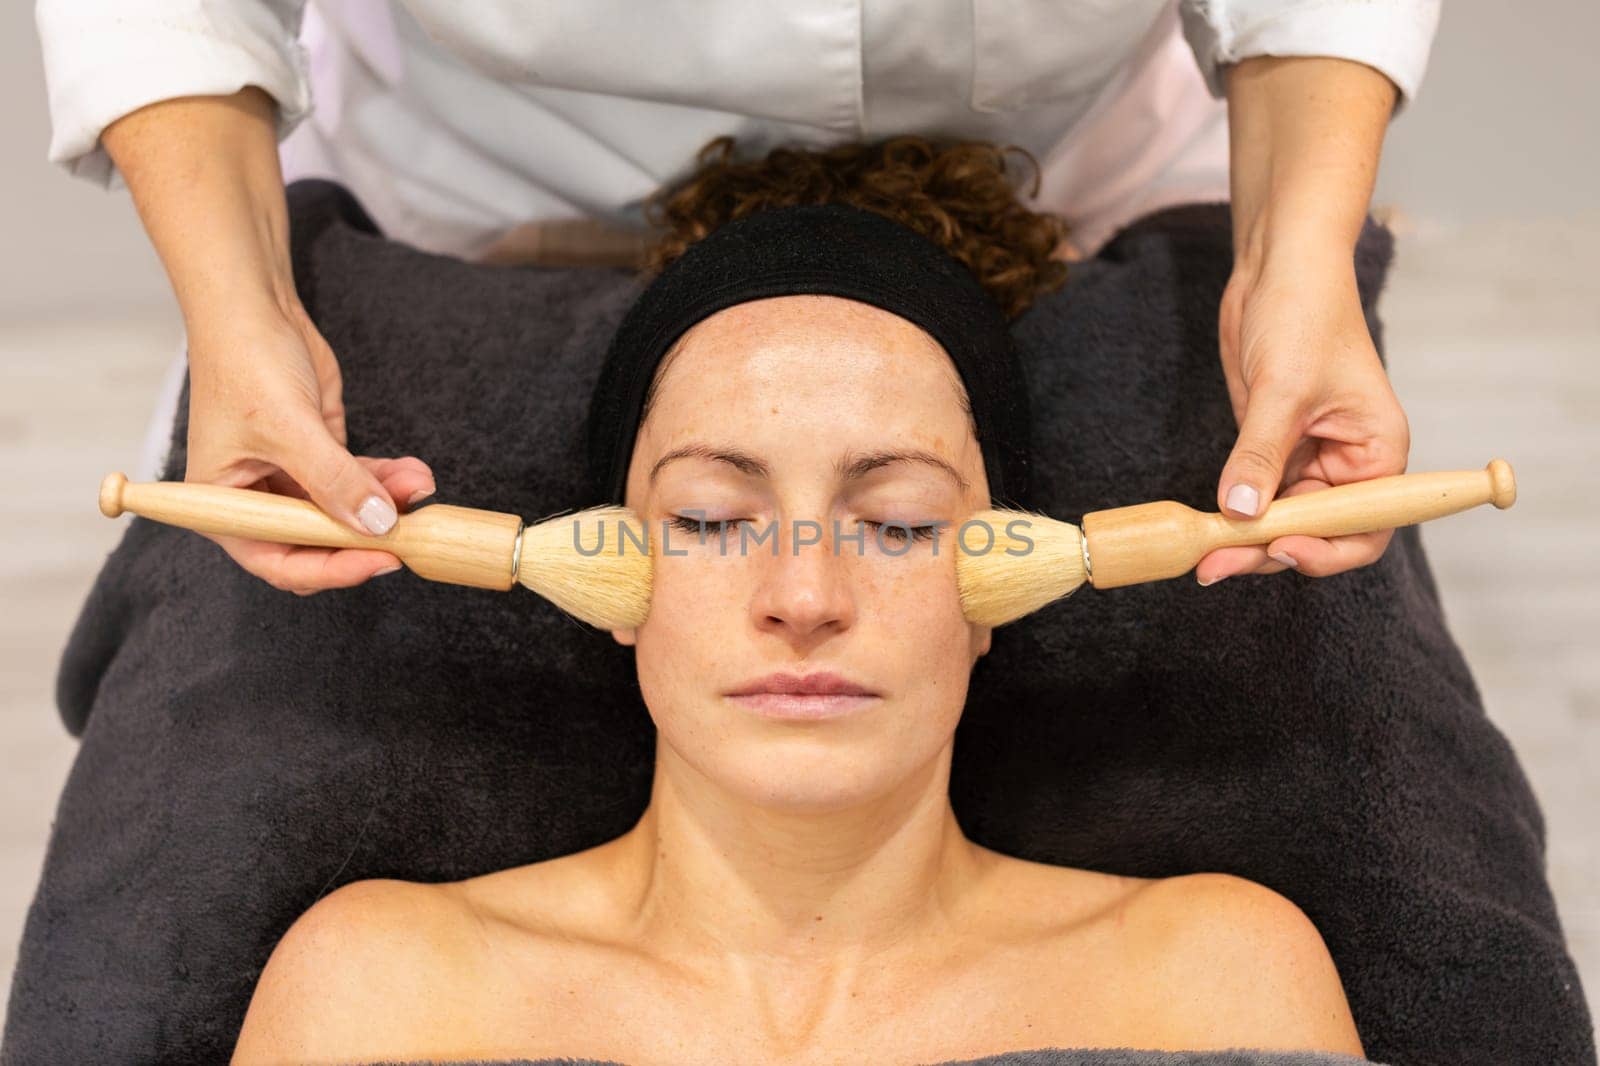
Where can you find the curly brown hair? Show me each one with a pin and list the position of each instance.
(957, 194)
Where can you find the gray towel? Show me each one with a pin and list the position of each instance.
(245, 751)
(1048, 1056)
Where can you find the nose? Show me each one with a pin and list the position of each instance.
(804, 592)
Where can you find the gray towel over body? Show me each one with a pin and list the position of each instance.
(245, 751)
(1048, 1056)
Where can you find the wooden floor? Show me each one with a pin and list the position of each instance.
(1494, 343)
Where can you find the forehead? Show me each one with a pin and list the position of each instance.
(812, 359)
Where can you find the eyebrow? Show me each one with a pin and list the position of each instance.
(847, 467)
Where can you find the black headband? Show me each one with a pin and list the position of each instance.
(831, 250)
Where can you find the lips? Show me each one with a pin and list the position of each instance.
(807, 697)
(818, 684)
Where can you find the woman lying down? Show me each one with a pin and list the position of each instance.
(837, 382)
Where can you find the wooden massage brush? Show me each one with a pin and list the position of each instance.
(609, 588)
(1153, 541)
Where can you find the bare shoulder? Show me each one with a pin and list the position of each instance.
(1043, 900)
(1240, 965)
(359, 973)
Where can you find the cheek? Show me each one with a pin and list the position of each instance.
(916, 607)
(690, 632)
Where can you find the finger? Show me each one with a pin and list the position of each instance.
(293, 568)
(239, 474)
(330, 385)
(407, 481)
(283, 485)
(1230, 316)
(1378, 445)
(1304, 485)
(1227, 562)
(1325, 556)
(1301, 463)
(334, 479)
(1340, 463)
(1231, 562)
(1319, 557)
(1253, 558)
(1254, 469)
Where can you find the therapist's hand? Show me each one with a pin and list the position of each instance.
(1313, 404)
(1314, 408)
(266, 411)
(266, 404)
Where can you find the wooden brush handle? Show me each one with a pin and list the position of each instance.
(458, 545)
(1153, 541)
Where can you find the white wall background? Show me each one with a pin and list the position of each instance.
(1507, 125)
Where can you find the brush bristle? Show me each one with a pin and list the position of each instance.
(608, 588)
(1015, 578)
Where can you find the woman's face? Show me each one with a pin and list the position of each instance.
(783, 417)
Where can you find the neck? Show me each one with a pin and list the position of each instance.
(711, 875)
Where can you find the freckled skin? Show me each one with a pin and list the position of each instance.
(831, 375)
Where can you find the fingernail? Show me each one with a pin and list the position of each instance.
(1244, 500)
(377, 514)
(1213, 581)
(421, 494)
(386, 570)
(1286, 559)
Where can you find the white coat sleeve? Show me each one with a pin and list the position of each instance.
(106, 58)
(1392, 36)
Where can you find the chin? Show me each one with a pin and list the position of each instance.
(801, 773)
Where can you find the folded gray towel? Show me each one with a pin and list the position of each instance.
(1130, 1057)
(245, 750)
(1048, 1056)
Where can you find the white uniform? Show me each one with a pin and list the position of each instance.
(455, 120)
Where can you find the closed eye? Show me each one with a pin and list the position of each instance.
(696, 524)
(899, 531)
(893, 532)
